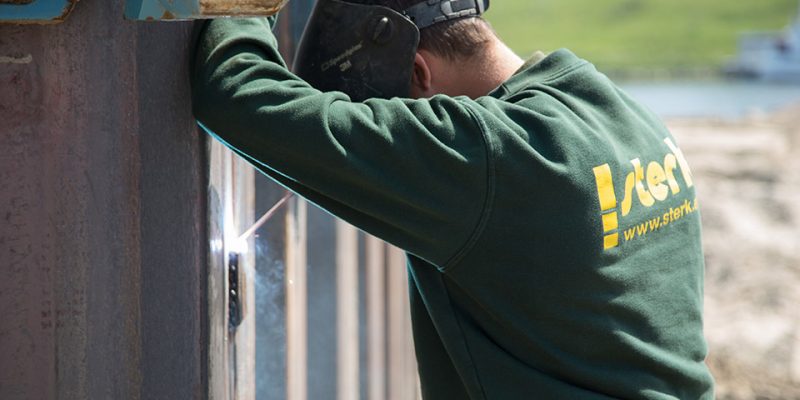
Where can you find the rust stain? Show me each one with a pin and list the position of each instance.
(65, 11)
(167, 15)
(241, 7)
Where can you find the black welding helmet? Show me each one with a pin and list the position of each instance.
(368, 50)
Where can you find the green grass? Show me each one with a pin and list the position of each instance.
(625, 35)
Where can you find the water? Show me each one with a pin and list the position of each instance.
(723, 99)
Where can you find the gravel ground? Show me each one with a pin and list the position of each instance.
(748, 179)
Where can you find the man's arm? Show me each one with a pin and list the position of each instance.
(415, 173)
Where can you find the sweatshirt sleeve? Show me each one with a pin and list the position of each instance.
(415, 173)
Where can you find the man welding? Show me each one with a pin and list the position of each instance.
(550, 221)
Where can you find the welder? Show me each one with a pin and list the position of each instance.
(550, 221)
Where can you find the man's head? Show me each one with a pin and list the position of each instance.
(444, 50)
(456, 40)
(416, 48)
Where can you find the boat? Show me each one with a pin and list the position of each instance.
(769, 56)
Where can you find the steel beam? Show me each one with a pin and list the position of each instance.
(160, 10)
(35, 11)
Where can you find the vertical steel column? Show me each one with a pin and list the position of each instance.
(296, 301)
(347, 311)
(376, 318)
(403, 381)
(102, 211)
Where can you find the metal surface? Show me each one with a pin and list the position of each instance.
(241, 7)
(35, 11)
(102, 211)
(152, 10)
(231, 355)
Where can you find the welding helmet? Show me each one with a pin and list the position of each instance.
(368, 50)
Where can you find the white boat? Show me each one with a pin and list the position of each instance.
(769, 56)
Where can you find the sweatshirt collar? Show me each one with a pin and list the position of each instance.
(537, 69)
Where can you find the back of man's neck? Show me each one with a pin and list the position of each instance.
(493, 67)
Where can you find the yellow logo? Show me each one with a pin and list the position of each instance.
(651, 185)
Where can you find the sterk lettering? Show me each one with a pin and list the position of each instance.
(646, 186)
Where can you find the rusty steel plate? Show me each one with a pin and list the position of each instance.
(35, 11)
(160, 10)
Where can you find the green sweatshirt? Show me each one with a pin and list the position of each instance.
(552, 229)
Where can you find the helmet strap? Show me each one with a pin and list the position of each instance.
(431, 12)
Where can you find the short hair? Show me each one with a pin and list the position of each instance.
(456, 40)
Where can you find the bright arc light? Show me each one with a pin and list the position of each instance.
(239, 245)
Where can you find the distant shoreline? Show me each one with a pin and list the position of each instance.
(667, 74)
(718, 98)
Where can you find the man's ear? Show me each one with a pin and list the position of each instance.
(420, 77)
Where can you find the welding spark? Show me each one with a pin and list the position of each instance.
(266, 217)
